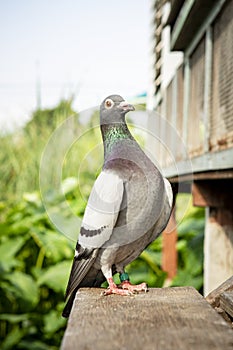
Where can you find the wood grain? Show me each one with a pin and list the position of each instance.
(167, 318)
(214, 297)
(226, 302)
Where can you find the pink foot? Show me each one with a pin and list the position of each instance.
(126, 285)
(113, 289)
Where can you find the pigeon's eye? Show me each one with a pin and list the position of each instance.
(109, 103)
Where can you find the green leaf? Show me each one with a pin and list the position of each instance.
(53, 322)
(13, 338)
(56, 246)
(4, 229)
(152, 259)
(139, 277)
(14, 318)
(181, 245)
(195, 255)
(24, 288)
(190, 227)
(56, 277)
(185, 279)
(8, 250)
(156, 245)
(35, 345)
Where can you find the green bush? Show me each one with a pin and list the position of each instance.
(190, 246)
(34, 263)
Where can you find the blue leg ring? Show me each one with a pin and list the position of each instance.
(124, 277)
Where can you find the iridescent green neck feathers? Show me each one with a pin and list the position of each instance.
(114, 133)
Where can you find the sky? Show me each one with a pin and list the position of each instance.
(87, 48)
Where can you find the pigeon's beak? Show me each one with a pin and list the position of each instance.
(125, 107)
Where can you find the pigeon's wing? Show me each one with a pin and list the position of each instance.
(99, 219)
(102, 210)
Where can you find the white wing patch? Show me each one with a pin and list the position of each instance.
(169, 192)
(102, 210)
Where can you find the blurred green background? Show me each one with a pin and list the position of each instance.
(35, 259)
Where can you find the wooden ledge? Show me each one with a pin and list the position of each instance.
(164, 318)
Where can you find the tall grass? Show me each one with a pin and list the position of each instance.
(21, 151)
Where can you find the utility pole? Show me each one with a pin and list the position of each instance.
(38, 85)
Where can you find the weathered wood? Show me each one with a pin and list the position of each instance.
(226, 302)
(214, 297)
(224, 315)
(218, 247)
(168, 318)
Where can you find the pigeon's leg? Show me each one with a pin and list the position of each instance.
(126, 285)
(112, 287)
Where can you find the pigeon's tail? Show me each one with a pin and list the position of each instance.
(83, 261)
(94, 278)
(83, 274)
(69, 304)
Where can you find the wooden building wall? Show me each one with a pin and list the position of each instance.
(196, 123)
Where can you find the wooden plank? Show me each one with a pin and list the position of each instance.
(167, 318)
(208, 175)
(214, 297)
(226, 302)
(211, 161)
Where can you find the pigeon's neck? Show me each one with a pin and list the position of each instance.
(112, 134)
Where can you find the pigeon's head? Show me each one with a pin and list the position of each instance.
(113, 109)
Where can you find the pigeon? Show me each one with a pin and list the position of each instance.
(129, 206)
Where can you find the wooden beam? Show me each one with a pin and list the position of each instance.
(213, 193)
(216, 196)
(203, 196)
(207, 175)
(208, 162)
(169, 252)
(163, 318)
(182, 17)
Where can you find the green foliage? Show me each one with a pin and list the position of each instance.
(35, 259)
(190, 247)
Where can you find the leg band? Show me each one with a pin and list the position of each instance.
(124, 277)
